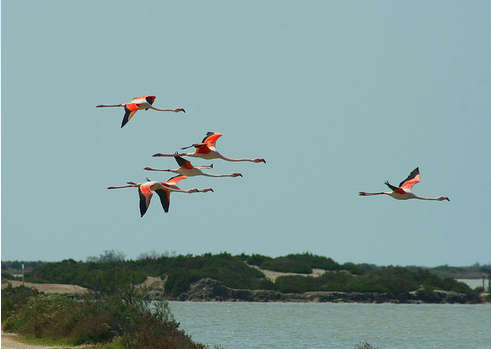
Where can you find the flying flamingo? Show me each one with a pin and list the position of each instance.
(163, 189)
(403, 191)
(137, 103)
(207, 150)
(187, 169)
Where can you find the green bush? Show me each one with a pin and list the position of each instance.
(299, 263)
(128, 314)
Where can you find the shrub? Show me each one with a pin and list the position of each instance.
(128, 314)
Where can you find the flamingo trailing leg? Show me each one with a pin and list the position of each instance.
(403, 191)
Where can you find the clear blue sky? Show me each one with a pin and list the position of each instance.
(337, 96)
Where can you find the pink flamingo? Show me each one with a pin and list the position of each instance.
(403, 191)
(207, 150)
(137, 103)
(163, 189)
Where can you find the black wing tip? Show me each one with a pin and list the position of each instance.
(208, 134)
(180, 161)
(127, 113)
(164, 199)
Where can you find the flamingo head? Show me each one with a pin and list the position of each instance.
(207, 189)
(236, 174)
(259, 160)
(441, 198)
(150, 99)
(179, 109)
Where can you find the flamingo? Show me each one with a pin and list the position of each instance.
(403, 191)
(137, 103)
(163, 189)
(207, 150)
(187, 169)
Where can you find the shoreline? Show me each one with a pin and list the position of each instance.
(211, 290)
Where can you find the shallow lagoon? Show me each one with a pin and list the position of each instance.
(329, 325)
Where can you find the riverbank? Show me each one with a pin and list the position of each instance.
(208, 289)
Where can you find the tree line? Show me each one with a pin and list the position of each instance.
(111, 271)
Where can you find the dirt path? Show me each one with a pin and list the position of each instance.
(13, 341)
(272, 275)
(48, 288)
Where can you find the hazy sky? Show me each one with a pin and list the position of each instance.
(337, 96)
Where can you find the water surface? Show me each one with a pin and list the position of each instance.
(328, 325)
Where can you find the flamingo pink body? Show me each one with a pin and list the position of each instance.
(207, 150)
(403, 191)
(163, 189)
(137, 103)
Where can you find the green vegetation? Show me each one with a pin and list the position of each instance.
(396, 281)
(475, 271)
(299, 263)
(127, 319)
(109, 275)
(15, 267)
(8, 276)
(111, 272)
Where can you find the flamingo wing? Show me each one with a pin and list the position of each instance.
(164, 198)
(211, 139)
(145, 195)
(394, 188)
(174, 180)
(142, 99)
(183, 162)
(129, 112)
(411, 180)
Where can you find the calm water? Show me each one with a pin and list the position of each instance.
(328, 325)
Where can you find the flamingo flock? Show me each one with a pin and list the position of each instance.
(206, 150)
